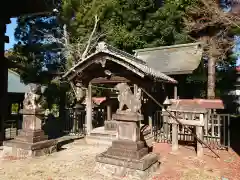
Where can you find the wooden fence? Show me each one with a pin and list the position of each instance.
(216, 130)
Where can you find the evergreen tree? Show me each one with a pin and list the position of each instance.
(35, 53)
(125, 24)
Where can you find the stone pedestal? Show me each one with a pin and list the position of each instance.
(110, 125)
(128, 155)
(31, 140)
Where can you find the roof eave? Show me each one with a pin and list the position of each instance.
(137, 63)
(179, 72)
(167, 47)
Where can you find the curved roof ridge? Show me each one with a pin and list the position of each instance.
(132, 63)
(103, 46)
(168, 47)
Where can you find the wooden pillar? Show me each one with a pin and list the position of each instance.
(109, 112)
(3, 78)
(89, 109)
(135, 89)
(174, 137)
(175, 92)
(199, 133)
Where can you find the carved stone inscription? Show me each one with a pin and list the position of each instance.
(31, 122)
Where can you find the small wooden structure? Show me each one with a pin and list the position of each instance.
(194, 117)
(199, 116)
(111, 65)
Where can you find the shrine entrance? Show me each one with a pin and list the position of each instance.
(109, 66)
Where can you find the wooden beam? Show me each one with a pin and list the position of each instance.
(112, 80)
(188, 122)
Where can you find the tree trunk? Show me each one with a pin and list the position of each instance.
(211, 78)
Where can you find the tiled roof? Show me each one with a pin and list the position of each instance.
(181, 104)
(172, 60)
(129, 61)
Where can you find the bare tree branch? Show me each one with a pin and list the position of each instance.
(90, 38)
(207, 22)
(76, 51)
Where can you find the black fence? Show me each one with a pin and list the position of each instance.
(216, 130)
(99, 116)
(74, 122)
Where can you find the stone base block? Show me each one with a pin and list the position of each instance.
(127, 116)
(127, 149)
(110, 125)
(18, 149)
(120, 167)
(127, 153)
(31, 136)
(130, 145)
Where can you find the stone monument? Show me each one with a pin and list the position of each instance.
(31, 140)
(128, 156)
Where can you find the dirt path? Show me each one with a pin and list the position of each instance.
(184, 165)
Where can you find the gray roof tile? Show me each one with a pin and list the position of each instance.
(171, 60)
(136, 63)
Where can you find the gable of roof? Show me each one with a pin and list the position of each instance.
(122, 58)
(172, 60)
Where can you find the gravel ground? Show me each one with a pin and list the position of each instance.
(76, 161)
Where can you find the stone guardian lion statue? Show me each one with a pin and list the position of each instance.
(126, 97)
(32, 96)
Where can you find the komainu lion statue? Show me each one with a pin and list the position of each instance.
(31, 98)
(126, 97)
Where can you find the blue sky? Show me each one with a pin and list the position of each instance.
(11, 28)
(10, 33)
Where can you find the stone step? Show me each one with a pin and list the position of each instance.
(103, 135)
(100, 139)
(107, 140)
